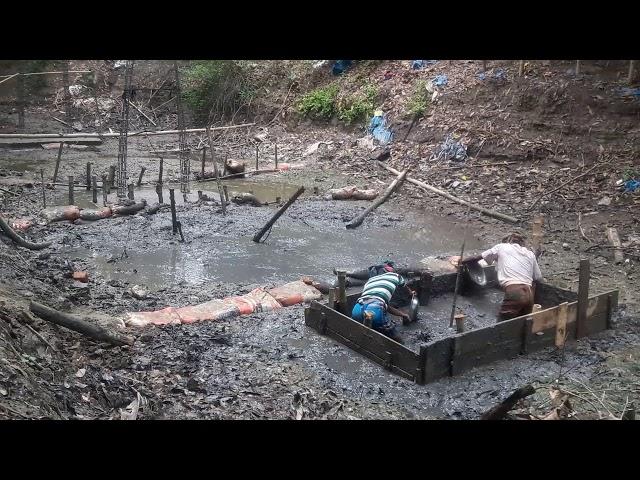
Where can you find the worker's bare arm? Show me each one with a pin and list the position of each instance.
(474, 258)
(395, 311)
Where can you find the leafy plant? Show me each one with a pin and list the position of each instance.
(359, 106)
(419, 100)
(630, 174)
(320, 102)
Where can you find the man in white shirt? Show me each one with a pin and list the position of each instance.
(517, 269)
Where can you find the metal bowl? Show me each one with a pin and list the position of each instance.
(476, 274)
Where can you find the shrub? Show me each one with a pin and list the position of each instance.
(319, 103)
(358, 107)
(419, 100)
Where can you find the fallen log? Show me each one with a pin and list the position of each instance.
(393, 186)
(425, 186)
(156, 208)
(129, 209)
(500, 410)
(4, 226)
(258, 236)
(614, 240)
(80, 326)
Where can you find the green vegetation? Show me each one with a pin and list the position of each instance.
(630, 174)
(319, 103)
(326, 102)
(358, 107)
(419, 100)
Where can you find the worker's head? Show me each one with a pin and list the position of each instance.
(515, 237)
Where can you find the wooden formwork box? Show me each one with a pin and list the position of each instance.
(461, 352)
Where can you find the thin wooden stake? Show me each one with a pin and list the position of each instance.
(226, 194)
(631, 71)
(174, 222)
(88, 176)
(70, 189)
(204, 153)
(159, 192)
(577, 67)
(105, 188)
(55, 172)
(258, 236)
(521, 68)
(160, 174)
(583, 298)
(94, 182)
(130, 193)
(142, 170)
(276, 145)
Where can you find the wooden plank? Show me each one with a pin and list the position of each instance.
(366, 338)
(438, 362)
(485, 345)
(561, 325)
(583, 297)
(40, 140)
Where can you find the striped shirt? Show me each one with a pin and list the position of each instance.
(382, 286)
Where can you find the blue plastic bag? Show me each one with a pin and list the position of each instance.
(378, 129)
(631, 186)
(440, 81)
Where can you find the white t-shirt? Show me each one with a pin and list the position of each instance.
(516, 265)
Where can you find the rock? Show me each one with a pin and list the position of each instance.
(605, 201)
(81, 276)
(565, 246)
(366, 143)
(138, 292)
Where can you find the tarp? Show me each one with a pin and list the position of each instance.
(378, 128)
(294, 293)
(58, 214)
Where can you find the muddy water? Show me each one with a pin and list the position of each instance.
(295, 247)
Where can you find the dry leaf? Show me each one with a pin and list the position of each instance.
(80, 373)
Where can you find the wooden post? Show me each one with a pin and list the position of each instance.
(217, 174)
(631, 71)
(342, 292)
(142, 170)
(609, 312)
(130, 191)
(112, 176)
(94, 183)
(484, 65)
(55, 172)
(172, 198)
(257, 150)
(105, 187)
(88, 176)
(521, 68)
(277, 215)
(459, 322)
(204, 153)
(160, 174)
(159, 192)
(316, 190)
(583, 298)
(276, 145)
(331, 301)
(226, 194)
(561, 325)
(577, 67)
(44, 198)
(70, 189)
(278, 200)
(199, 195)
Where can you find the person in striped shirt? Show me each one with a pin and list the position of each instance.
(373, 304)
